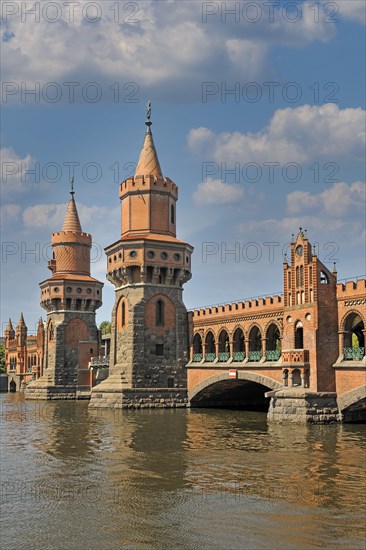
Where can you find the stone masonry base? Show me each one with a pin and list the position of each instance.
(300, 405)
(55, 393)
(139, 398)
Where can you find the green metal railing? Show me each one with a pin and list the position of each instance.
(273, 355)
(255, 356)
(238, 356)
(224, 356)
(357, 354)
(197, 357)
(210, 357)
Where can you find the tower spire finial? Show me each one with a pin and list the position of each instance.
(148, 115)
(72, 192)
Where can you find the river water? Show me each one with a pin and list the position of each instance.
(73, 478)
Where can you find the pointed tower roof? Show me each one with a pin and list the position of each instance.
(9, 326)
(21, 322)
(72, 222)
(148, 164)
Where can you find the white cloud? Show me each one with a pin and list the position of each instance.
(217, 192)
(355, 10)
(338, 201)
(336, 215)
(247, 56)
(298, 134)
(51, 216)
(12, 169)
(169, 43)
(9, 213)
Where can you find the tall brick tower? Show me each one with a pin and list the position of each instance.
(148, 266)
(309, 346)
(311, 316)
(70, 297)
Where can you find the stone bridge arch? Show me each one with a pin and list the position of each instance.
(351, 397)
(224, 380)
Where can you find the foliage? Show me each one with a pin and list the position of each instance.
(2, 358)
(105, 327)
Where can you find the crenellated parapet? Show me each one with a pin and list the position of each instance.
(249, 307)
(147, 184)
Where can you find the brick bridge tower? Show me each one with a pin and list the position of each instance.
(310, 336)
(70, 297)
(148, 266)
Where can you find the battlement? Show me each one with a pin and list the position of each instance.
(148, 183)
(63, 237)
(351, 289)
(247, 306)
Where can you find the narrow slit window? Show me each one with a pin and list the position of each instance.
(160, 313)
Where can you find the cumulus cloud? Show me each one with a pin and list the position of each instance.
(298, 134)
(51, 216)
(12, 168)
(214, 191)
(338, 201)
(161, 43)
(336, 215)
(355, 10)
(9, 213)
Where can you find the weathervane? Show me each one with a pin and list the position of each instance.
(72, 185)
(148, 114)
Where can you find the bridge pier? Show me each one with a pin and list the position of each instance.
(300, 405)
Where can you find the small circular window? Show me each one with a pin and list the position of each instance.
(68, 289)
(176, 257)
(78, 290)
(56, 289)
(164, 256)
(151, 254)
(88, 290)
(133, 253)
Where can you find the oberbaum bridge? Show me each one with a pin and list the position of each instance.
(299, 355)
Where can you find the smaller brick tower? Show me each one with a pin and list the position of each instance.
(70, 297)
(309, 347)
(148, 267)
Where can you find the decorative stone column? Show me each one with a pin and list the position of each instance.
(216, 349)
(264, 348)
(231, 348)
(247, 344)
(341, 334)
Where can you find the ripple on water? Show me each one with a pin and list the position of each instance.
(177, 479)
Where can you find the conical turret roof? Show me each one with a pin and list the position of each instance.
(72, 222)
(9, 326)
(148, 164)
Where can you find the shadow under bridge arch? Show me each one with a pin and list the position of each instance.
(246, 392)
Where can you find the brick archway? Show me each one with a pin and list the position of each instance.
(248, 376)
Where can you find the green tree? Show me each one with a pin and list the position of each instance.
(2, 358)
(105, 327)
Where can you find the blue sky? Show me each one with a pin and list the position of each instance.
(296, 112)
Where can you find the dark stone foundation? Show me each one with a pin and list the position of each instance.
(139, 398)
(300, 405)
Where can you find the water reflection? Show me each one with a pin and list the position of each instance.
(177, 479)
